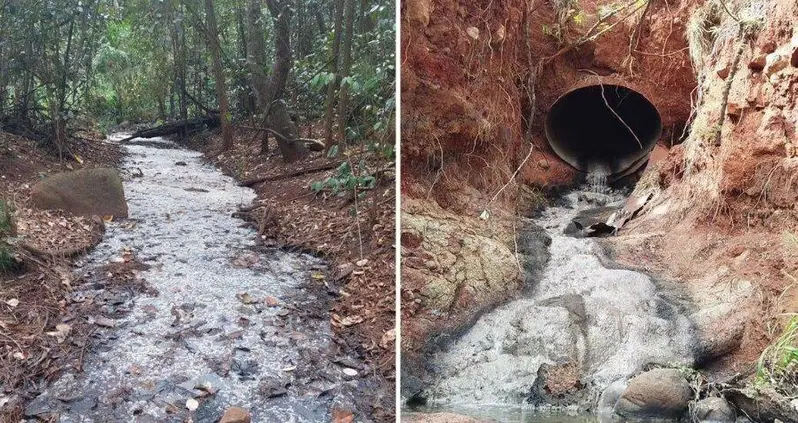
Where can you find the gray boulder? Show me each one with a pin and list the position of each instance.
(83, 192)
(714, 410)
(655, 394)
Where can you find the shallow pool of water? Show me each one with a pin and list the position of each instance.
(506, 414)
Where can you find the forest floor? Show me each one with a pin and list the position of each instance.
(35, 298)
(360, 254)
(361, 251)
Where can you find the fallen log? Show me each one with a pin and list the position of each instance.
(320, 168)
(311, 143)
(181, 127)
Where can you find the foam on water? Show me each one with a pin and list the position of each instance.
(184, 230)
(609, 322)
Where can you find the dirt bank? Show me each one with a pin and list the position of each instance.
(34, 297)
(475, 98)
(360, 252)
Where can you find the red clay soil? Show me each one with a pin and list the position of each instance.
(361, 252)
(465, 103)
(34, 298)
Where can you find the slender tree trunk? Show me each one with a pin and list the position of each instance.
(218, 74)
(346, 66)
(332, 87)
(270, 91)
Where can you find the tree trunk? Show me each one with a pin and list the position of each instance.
(331, 88)
(346, 66)
(270, 91)
(218, 74)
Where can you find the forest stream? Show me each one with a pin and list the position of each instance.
(222, 323)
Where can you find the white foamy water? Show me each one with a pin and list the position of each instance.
(609, 322)
(180, 224)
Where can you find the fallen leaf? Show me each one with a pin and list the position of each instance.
(245, 298)
(342, 416)
(13, 303)
(104, 322)
(272, 301)
(361, 263)
(61, 332)
(289, 369)
(350, 372)
(387, 338)
(19, 355)
(351, 320)
(318, 276)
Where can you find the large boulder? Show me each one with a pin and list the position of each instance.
(83, 192)
(655, 394)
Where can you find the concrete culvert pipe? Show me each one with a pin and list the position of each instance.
(595, 138)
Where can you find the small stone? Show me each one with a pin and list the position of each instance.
(473, 32)
(192, 404)
(181, 164)
(775, 62)
(417, 11)
(361, 263)
(723, 71)
(758, 63)
(543, 163)
(350, 372)
(236, 415)
(715, 410)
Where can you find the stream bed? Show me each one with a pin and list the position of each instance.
(586, 325)
(221, 322)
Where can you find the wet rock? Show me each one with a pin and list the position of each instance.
(658, 393)
(273, 387)
(84, 192)
(558, 385)
(714, 410)
(236, 415)
(608, 400)
(41, 405)
(533, 251)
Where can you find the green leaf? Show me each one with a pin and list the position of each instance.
(333, 151)
(345, 169)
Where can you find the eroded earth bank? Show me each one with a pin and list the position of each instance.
(668, 130)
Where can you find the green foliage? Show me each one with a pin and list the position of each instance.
(344, 181)
(778, 363)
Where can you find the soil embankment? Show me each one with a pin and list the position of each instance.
(478, 81)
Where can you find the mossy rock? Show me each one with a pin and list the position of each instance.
(86, 192)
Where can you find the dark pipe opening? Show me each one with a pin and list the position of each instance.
(585, 133)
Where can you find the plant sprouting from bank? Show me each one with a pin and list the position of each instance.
(778, 363)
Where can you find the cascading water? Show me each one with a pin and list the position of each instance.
(606, 323)
(597, 176)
